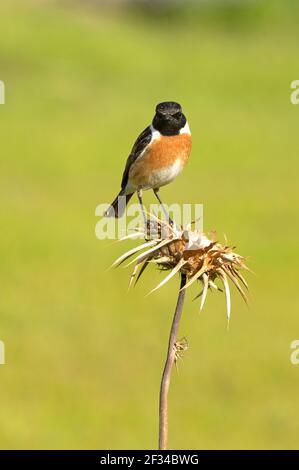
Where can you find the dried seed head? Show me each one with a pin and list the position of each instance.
(190, 252)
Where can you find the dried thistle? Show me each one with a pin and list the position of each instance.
(180, 347)
(191, 253)
(197, 258)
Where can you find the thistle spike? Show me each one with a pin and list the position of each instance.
(131, 252)
(170, 275)
(205, 290)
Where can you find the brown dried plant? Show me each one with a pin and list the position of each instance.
(196, 258)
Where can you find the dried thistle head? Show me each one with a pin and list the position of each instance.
(190, 252)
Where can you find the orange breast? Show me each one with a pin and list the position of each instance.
(162, 153)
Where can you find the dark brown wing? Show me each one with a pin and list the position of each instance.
(140, 144)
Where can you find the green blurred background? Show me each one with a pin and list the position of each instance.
(84, 357)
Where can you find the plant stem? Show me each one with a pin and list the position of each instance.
(165, 382)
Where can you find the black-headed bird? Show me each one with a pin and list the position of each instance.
(158, 156)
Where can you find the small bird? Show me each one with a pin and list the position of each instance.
(158, 156)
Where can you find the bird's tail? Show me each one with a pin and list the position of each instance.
(118, 206)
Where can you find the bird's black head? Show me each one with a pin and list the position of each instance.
(169, 119)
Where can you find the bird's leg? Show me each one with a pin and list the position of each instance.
(167, 216)
(139, 194)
